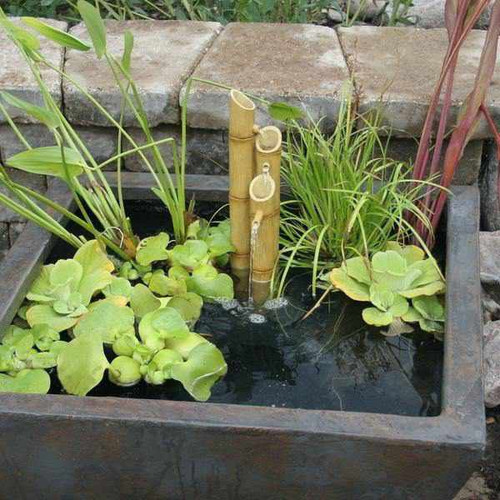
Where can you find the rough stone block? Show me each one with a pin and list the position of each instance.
(16, 77)
(299, 64)
(165, 54)
(395, 71)
(468, 168)
(101, 143)
(207, 150)
(36, 135)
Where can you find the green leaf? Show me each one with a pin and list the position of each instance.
(81, 365)
(124, 371)
(184, 345)
(412, 315)
(165, 322)
(190, 255)
(45, 314)
(352, 288)
(56, 35)
(6, 358)
(96, 267)
(42, 360)
(389, 262)
(43, 115)
(143, 301)
(48, 161)
(203, 368)
(41, 289)
(208, 283)
(26, 382)
(125, 345)
(429, 272)
(429, 307)
(381, 297)
(20, 341)
(219, 239)
(189, 305)
(358, 269)
(178, 273)
(119, 287)
(152, 249)
(108, 320)
(164, 285)
(95, 26)
(373, 316)
(410, 253)
(399, 307)
(430, 289)
(128, 45)
(283, 112)
(25, 38)
(66, 272)
(159, 369)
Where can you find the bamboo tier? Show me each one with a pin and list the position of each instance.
(268, 152)
(263, 213)
(241, 173)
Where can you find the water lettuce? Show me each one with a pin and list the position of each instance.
(401, 284)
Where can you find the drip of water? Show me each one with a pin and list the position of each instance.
(253, 242)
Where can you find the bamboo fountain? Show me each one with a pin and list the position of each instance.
(254, 198)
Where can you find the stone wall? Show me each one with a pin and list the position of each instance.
(394, 70)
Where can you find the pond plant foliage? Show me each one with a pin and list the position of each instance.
(126, 308)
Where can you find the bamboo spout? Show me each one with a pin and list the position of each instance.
(265, 220)
(268, 152)
(241, 171)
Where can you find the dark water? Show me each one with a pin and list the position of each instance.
(332, 360)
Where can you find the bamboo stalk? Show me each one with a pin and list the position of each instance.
(268, 152)
(265, 221)
(241, 172)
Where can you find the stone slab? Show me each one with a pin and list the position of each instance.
(299, 64)
(468, 168)
(165, 54)
(16, 76)
(36, 135)
(207, 150)
(395, 70)
(101, 143)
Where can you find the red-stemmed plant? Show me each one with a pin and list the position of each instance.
(460, 18)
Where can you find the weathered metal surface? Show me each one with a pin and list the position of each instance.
(62, 447)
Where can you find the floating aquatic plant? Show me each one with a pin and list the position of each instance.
(401, 284)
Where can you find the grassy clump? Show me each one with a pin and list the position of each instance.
(224, 11)
(347, 197)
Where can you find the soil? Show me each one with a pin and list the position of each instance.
(485, 483)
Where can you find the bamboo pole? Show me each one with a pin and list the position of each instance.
(241, 171)
(265, 223)
(268, 152)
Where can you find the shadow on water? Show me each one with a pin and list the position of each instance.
(330, 361)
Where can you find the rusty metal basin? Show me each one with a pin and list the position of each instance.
(64, 447)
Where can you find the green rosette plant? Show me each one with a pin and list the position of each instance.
(63, 291)
(402, 285)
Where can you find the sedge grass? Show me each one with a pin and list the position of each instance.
(347, 197)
